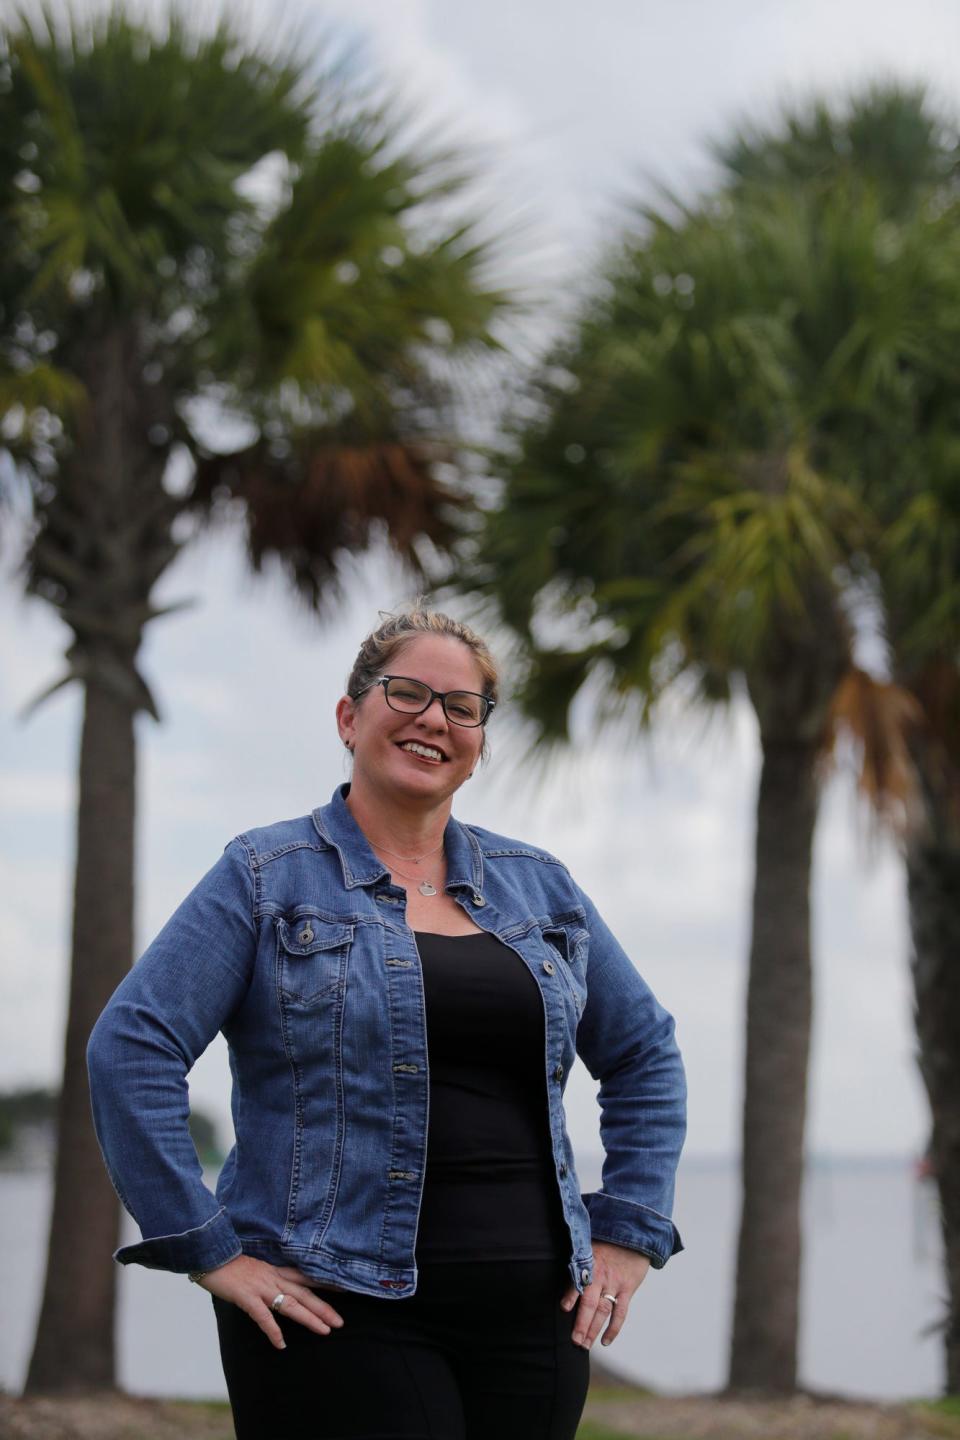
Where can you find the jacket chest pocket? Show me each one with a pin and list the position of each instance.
(567, 945)
(311, 959)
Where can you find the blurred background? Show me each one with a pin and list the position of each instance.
(643, 363)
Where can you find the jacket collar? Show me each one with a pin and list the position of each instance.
(337, 827)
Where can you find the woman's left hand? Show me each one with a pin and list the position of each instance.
(616, 1271)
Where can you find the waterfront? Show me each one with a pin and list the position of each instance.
(872, 1288)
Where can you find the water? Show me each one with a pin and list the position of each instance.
(872, 1284)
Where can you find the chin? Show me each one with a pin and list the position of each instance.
(429, 783)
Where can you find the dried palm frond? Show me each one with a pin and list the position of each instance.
(878, 718)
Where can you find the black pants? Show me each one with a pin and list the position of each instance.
(481, 1350)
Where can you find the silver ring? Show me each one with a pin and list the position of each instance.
(277, 1301)
(611, 1298)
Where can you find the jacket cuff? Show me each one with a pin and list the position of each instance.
(205, 1247)
(634, 1226)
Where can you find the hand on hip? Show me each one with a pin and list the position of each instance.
(263, 1291)
(617, 1274)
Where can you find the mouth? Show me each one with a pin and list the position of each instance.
(431, 754)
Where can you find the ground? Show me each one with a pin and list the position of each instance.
(611, 1412)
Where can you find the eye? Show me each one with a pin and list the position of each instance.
(407, 691)
(465, 707)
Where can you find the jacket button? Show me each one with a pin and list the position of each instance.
(306, 935)
(585, 1276)
(558, 1073)
(563, 1169)
(478, 900)
(548, 966)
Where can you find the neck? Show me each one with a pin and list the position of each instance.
(398, 824)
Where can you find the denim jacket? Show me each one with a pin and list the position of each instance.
(295, 945)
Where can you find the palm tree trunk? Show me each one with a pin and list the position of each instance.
(74, 1346)
(779, 1011)
(933, 890)
(105, 539)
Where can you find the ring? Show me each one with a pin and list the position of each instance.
(277, 1301)
(611, 1298)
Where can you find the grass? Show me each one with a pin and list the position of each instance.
(946, 1405)
(129, 1418)
(941, 1417)
(604, 1393)
(589, 1430)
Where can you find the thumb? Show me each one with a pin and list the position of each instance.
(569, 1298)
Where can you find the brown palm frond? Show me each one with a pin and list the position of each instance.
(308, 509)
(879, 718)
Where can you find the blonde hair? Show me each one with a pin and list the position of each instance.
(398, 628)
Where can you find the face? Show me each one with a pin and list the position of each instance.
(385, 757)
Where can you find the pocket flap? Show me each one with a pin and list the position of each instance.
(307, 934)
(569, 940)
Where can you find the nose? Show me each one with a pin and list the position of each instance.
(434, 714)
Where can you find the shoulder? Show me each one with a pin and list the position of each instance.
(526, 873)
(505, 847)
(268, 842)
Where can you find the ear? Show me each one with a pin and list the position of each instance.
(346, 720)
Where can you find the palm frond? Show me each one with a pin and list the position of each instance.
(310, 509)
(878, 718)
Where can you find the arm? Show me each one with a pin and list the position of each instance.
(626, 1040)
(160, 1018)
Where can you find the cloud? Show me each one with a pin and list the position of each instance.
(37, 793)
(575, 111)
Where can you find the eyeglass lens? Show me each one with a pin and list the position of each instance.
(460, 706)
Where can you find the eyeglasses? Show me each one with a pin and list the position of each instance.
(412, 697)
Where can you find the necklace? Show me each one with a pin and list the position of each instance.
(413, 859)
(425, 886)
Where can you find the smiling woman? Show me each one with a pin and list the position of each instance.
(417, 740)
(403, 996)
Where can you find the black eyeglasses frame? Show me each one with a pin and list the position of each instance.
(441, 695)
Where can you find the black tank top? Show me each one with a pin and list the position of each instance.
(490, 1190)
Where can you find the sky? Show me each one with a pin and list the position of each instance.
(580, 110)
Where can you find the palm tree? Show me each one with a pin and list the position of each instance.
(915, 571)
(920, 576)
(911, 773)
(689, 503)
(193, 227)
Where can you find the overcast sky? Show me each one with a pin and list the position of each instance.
(581, 108)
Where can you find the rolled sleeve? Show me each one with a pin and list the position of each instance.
(205, 1247)
(635, 1226)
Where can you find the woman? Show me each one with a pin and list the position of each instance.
(368, 1283)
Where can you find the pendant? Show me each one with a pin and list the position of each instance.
(426, 888)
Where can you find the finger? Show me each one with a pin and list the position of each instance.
(585, 1316)
(294, 1309)
(616, 1322)
(305, 1288)
(601, 1314)
(300, 1286)
(259, 1311)
(318, 1306)
(570, 1298)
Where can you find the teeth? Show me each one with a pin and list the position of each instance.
(424, 750)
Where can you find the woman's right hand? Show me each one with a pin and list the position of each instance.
(253, 1285)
